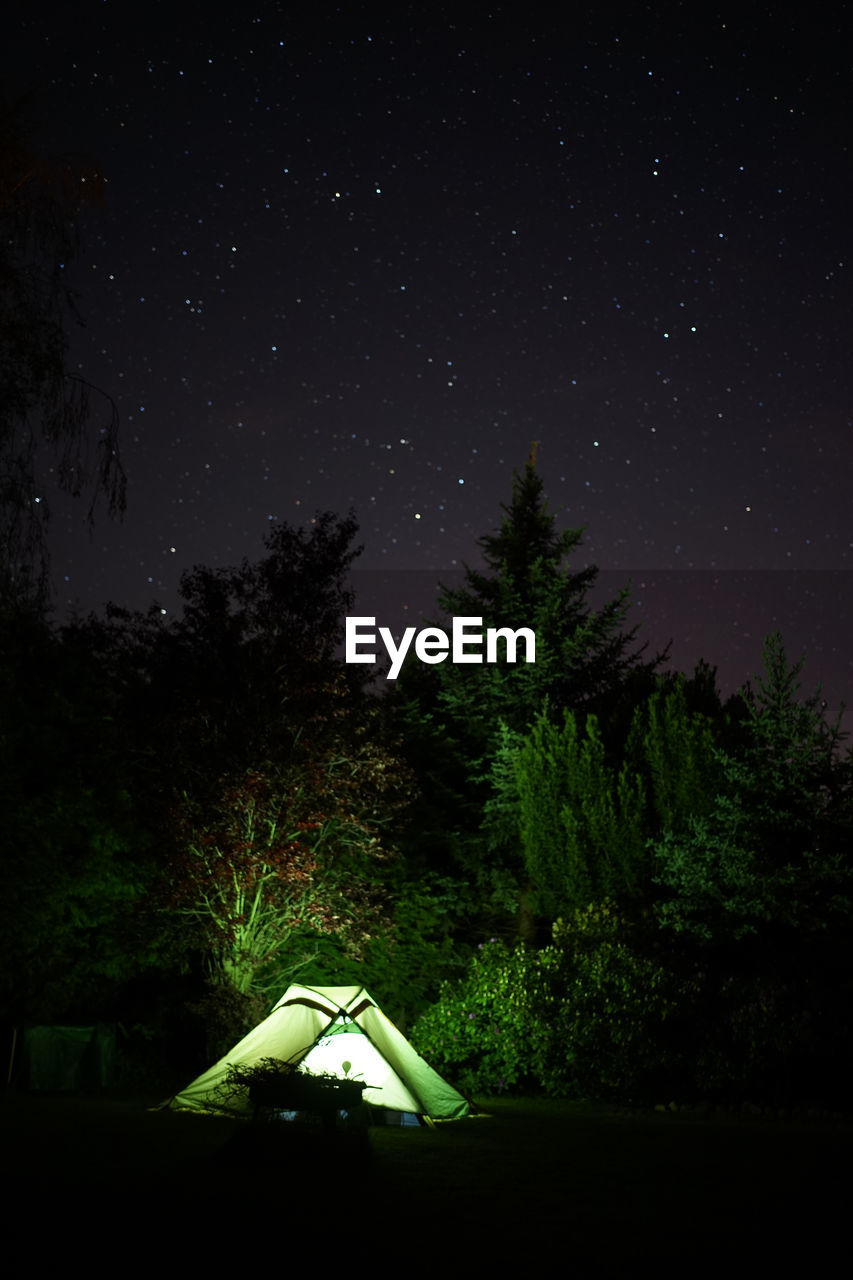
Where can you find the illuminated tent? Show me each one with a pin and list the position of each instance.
(338, 1031)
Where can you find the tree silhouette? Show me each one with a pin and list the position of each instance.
(46, 434)
(771, 855)
(264, 757)
(463, 724)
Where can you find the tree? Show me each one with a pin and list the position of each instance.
(772, 851)
(581, 821)
(756, 892)
(581, 812)
(266, 759)
(249, 668)
(287, 855)
(76, 862)
(581, 653)
(45, 411)
(462, 724)
(671, 744)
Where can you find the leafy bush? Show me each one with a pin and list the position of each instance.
(621, 1007)
(482, 1028)
(584, 1016)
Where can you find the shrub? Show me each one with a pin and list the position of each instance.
(480, 1029)
(584, 1016)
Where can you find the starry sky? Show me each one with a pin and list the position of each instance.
(363, 255)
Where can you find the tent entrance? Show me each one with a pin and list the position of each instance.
(346, 1052)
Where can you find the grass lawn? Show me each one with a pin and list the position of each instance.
(596, 1190)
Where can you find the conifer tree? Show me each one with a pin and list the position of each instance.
(672, 746)
(463, 723)
(581, 821)
(772, 851)
(581, 653)
(586, 816)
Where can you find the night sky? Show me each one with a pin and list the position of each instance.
(363, 256)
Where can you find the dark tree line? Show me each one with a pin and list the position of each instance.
(588, 874)
(683, 865)
(211, 804)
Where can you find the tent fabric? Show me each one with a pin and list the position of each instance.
(337, 1031)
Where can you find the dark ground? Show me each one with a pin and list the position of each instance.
(591, 1188)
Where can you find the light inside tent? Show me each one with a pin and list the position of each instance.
(346, 1052)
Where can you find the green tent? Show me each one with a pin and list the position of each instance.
(338, 1031)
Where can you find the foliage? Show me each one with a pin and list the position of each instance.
(222, 1016)
(580, 652)
(584, 1016)
(502, 871)
(581, 823)
(462, 723)
(273, 1083)
(290, 603)
(483, 1030)
(671, 745)
(73, 871)
(753, 1034)
(225, 764)
(773, 849)
(70, 894)
(266, 767)
(44, 410)
(251, 666)
(286, 852)
(579, 813)
(406, 964)
(245, 876)
(623, 1006)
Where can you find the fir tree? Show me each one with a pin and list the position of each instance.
(463, 723)
(581, 652)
